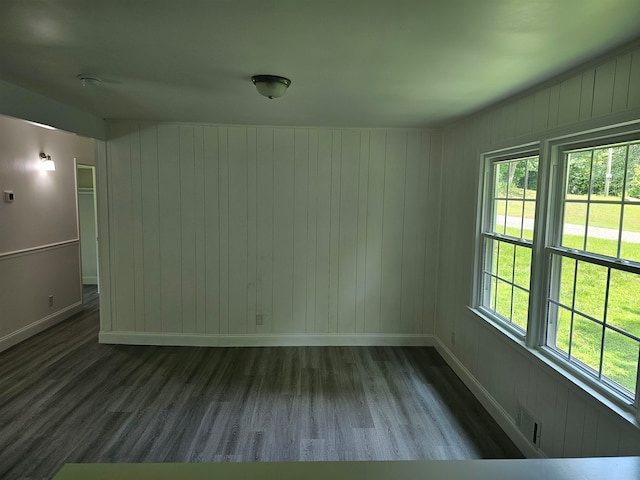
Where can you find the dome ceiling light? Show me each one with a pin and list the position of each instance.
(89, 81)
(271, 86)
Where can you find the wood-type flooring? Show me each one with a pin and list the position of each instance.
(66, 398)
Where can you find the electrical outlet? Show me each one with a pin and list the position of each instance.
(51, 300)
(259, 319)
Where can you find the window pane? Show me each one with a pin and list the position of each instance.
(503, 299)
(522, 271)
(517, 177)
(531, 187)
(505, 261)
(607, 174)
(500, 216)
(520, 308)
(604, 216)
(620, 360)
(488, 291)
(519, 219)
(602, 232)
(630, 247)
(567, 277)
(578, 174)
(591, 287)
(495, 245)
(494, 294)
(501, 179)
(559, 330)
(574, 225)
(529, 220)
(531, 180)
(515, 218)
(623, 309)
(633, 174)
(586, 342)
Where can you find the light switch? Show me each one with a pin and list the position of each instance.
(9, 196)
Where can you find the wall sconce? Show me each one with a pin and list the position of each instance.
(47, 164)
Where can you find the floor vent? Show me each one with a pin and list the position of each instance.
(528, 425)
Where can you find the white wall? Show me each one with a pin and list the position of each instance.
(39, 252)
(19, 102)
(320, 231)
(27, 280)
(573, 423)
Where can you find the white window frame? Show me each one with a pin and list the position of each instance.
(547, 231)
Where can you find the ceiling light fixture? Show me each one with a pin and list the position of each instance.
(47, 164)
(271, 86)
(89, 81)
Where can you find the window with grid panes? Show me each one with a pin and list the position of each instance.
(572, 291)
(593, 302)
(510, 203)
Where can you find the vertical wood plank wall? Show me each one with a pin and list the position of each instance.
(320, 231)
(573, 423)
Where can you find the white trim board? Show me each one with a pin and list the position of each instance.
(490, 404)
(90, 280)
(38, 326)
(270, 340)
(39, 248)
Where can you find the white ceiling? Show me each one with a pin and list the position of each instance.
(360, 63)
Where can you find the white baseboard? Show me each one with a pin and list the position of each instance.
(261, 340)
(89, 280)
(498, 413)
(38, 326)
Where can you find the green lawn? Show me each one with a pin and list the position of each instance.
(620, 353)
(604, 216)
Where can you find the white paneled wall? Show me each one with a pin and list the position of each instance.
(319, 231)
(573, 422)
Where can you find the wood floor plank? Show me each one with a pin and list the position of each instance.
(66, 398)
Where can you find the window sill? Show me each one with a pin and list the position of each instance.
(574, 381)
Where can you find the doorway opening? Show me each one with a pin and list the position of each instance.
(88, 230)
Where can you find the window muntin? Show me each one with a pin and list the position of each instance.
(593, 312)
(507, 236)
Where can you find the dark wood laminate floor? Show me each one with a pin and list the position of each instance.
(65, 398)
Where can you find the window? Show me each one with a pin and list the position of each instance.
(559, 265)
(508, 238)
(593, 311)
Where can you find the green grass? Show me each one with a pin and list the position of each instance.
(620, 360)
(628, 251)
(603, 216)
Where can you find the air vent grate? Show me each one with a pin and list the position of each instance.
(528, 425)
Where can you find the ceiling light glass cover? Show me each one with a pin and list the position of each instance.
(271, 86)
(89, 81)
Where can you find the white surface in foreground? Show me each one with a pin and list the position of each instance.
(618, 468)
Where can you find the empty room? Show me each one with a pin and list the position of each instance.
(284, 238)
